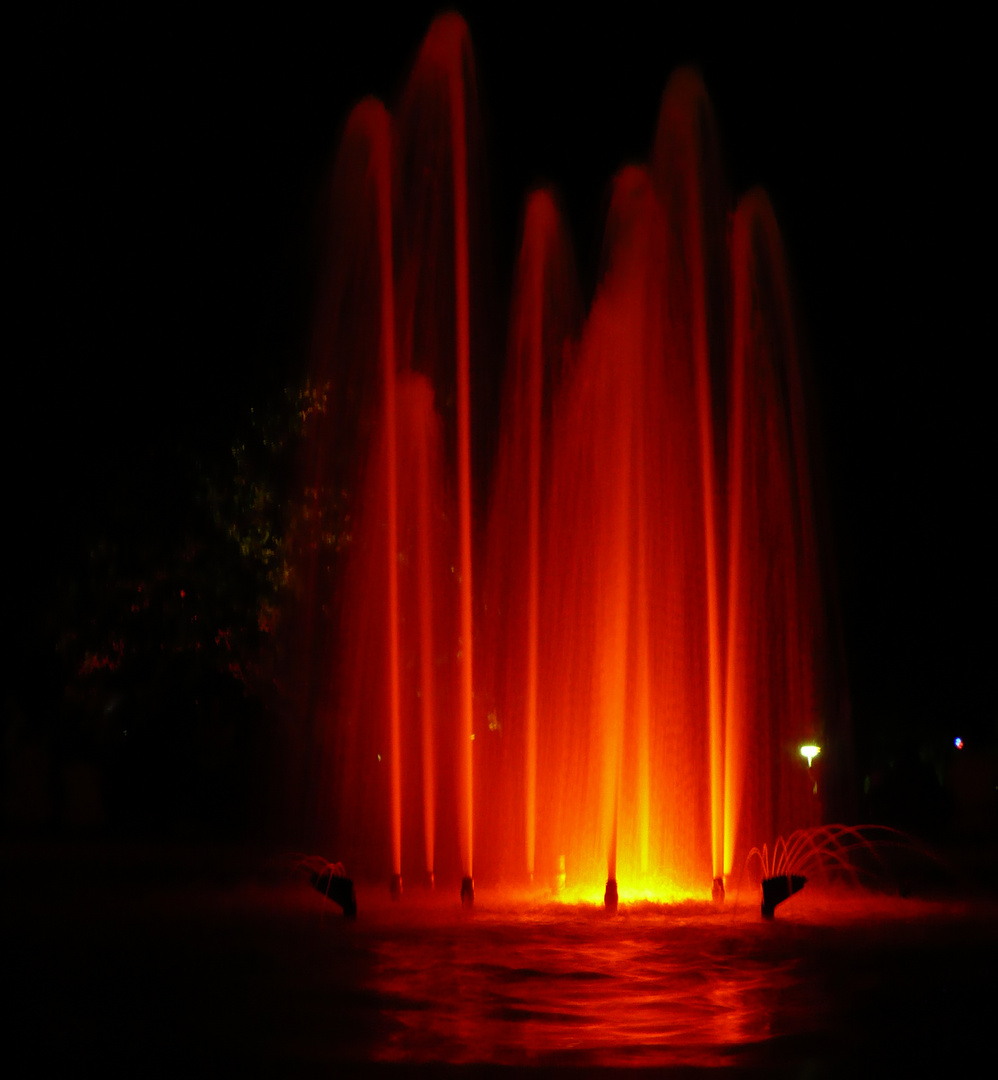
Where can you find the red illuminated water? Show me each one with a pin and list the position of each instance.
(599, 655)
(150, 956)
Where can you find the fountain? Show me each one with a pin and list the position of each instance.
(589, 653)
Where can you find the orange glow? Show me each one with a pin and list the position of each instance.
(381, 173)
(774, 643)
(683, 151)
(635, 610)
(540, 220)
(427, 695)
(642, 889)
(446, 43)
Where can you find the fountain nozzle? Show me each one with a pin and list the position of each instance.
(395, 887)
(776, 889)
(467, 892)
(336, 886)
(610, 896)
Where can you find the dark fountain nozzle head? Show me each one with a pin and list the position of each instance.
(337, 887)
(467, 892)
(776, 889)
(717, 890)
(395, 887)
(430, 881)
(610, 896)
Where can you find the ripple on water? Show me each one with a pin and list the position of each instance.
(531, 987)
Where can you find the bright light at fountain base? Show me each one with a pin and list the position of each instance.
(642, 889)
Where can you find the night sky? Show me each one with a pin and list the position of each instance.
(168, 179)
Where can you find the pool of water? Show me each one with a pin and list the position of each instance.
(524, 982)
(518, 984)
(257, 971)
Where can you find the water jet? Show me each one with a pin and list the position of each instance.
(595, 645)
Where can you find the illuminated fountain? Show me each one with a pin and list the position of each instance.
(590, 654)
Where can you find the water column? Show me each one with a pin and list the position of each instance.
(427, 698)
(620, 741)
(540, 218)
(380, 166)
(621, 339)
(686, 172)
(773, 576)
(642, 703)
(735, 697)
(451, 41)
(705, 424)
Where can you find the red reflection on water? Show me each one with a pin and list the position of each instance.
(560, 983)
(531, 982)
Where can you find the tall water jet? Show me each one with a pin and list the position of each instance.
(439, 85)
(642, 634)
(349, 420)
(773, 591)
(382, 179)
(687, 174)
(427, 638)
(618, 342)
(421, 508)
(624, 682)
(543, 321)
(538, 207)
